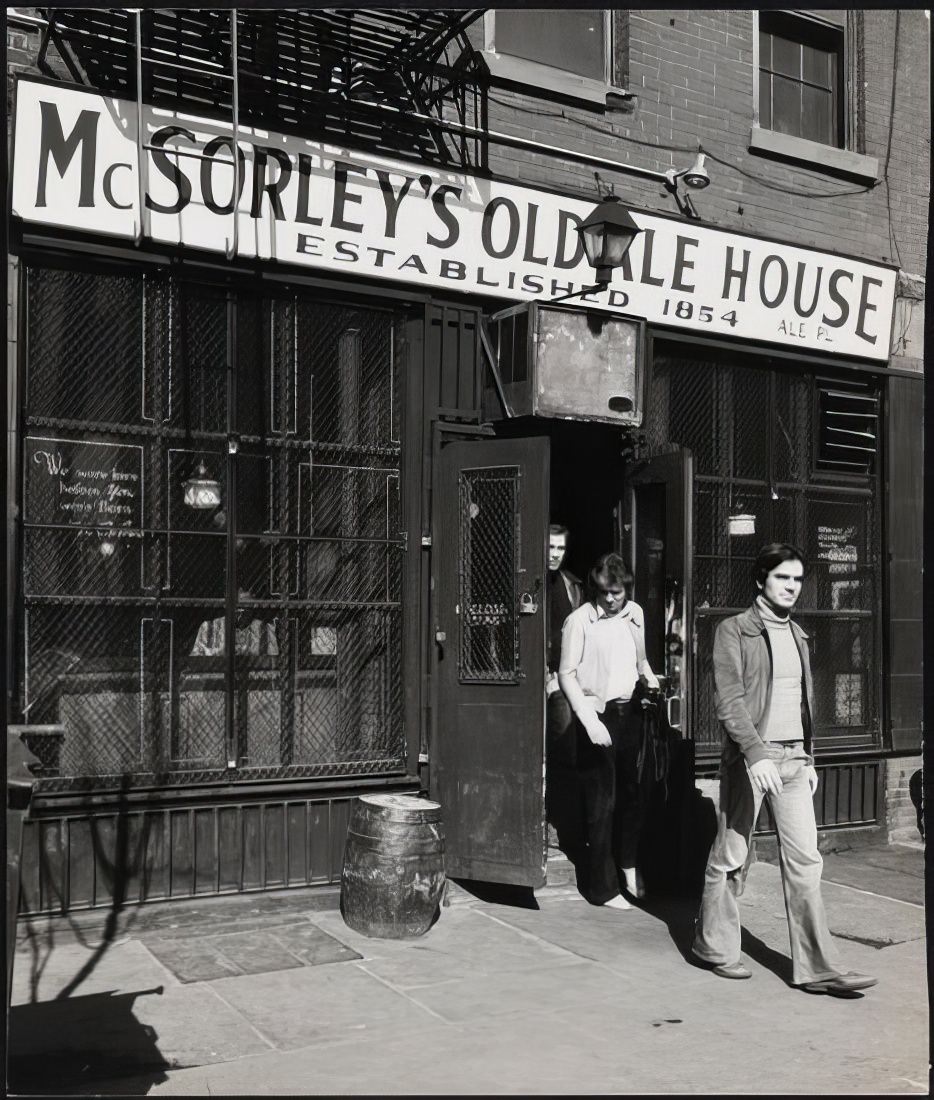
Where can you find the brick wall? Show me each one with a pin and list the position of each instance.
(691, 75)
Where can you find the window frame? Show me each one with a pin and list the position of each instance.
(820, 29)
(844, 160)
(548, 78)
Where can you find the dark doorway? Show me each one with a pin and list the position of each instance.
(586, 483)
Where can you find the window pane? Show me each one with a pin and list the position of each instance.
(817, 116)
(786, 57)
(570, 40)
(765, 50)
(786, 106)
(765, 101)
(817, 66)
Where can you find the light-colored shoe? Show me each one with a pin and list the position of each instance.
(633, 878)
(732, 970)
(841, 985)
(619, 902)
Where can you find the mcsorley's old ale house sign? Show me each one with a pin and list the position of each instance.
(76, 166)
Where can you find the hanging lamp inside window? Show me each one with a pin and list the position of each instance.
(201, 490)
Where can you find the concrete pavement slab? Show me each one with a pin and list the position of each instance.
(895, 870)
(793, 1044)
(565, 998)
(461, 943)
(43, 971)
(202, 958)
(322, 1004)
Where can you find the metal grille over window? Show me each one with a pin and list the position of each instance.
(765, 471)
(489, 545)
(165, 487)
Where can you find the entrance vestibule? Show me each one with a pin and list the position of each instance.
(586, 483)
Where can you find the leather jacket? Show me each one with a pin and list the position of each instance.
(742, 668)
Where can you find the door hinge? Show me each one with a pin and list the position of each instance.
(426, 541)
(404, 539)
(423, 758)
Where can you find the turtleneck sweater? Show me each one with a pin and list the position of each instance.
(782, 721)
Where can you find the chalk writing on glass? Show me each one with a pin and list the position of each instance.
(82, 483)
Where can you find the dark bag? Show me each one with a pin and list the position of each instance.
(658, 738)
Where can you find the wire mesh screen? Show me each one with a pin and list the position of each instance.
(489, 624)
(211, 521)
(756, 435)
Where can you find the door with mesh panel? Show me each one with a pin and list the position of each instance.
(487, 748)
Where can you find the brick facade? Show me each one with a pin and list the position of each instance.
(691, 78)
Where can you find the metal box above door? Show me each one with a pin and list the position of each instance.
(566, 362)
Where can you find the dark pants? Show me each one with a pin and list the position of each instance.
(615, 798)
(563, 806)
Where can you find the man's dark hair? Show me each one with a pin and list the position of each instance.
(558, 529)
(773, 555)
(613, 570)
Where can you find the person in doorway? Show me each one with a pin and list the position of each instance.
(764, 701)
(562, 794)
(602, 660)
(564, 595)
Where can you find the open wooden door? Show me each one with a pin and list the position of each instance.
(659, 521)
(489, 538)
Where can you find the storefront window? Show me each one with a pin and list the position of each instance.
(761, 474)
(191, 453)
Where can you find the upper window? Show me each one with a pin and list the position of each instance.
(574, 40)
(576, 52)
(801, 78)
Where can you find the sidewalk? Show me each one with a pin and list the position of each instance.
(266, 995)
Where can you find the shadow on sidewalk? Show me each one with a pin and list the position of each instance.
(74, 1046)
(498, 893)
(678, 913)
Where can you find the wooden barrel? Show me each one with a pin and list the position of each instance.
(393, 876)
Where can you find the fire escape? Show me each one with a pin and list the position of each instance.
(403, 83)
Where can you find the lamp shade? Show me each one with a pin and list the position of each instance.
(606, 234)
(202, 491)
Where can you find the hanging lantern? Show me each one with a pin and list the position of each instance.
(202, 491)
(742, 523)
(606, 234)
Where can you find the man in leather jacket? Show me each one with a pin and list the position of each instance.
(765, 702)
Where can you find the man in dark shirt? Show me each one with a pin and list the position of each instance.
(562, 794)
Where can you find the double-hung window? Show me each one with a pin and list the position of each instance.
(801, 78)
(807, 92)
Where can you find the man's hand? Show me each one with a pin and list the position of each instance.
(765, 777)
(811, 772)
(596, 730)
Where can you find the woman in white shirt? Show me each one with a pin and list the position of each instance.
(602, 660)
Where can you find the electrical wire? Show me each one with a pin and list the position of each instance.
(888, 147)
(689, 149)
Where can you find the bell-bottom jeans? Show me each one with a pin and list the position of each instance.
(717, 928)
(614, 796)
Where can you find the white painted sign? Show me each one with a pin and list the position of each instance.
(76, 165)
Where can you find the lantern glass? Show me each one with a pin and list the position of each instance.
(202, 491)
(606, 235)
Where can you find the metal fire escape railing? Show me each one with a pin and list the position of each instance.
(381, 78)
(143, 146)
